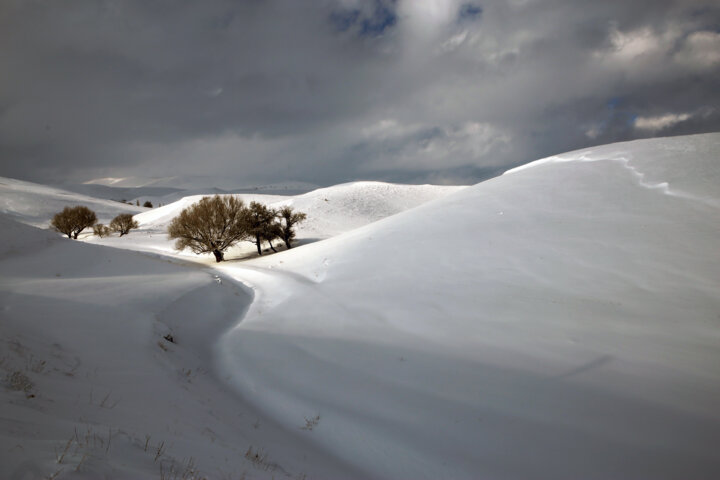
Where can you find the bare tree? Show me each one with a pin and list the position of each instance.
(73, 220)
(289, 219)
(123, 223)
(213, 224)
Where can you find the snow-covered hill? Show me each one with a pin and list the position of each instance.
(341, 208)
(72, 313)
(330, 211)
(166, 190)
(559, 321)
(91, 387)
(35, 204)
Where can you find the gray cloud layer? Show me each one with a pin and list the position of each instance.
(333, 90)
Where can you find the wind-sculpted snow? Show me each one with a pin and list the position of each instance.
(107, 369)
(107, 357)
(557, 322)
(685, 166)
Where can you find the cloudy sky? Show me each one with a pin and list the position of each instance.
(328, 91)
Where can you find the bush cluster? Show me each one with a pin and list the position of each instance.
(73, 220)
(212, 225)
(216, 223)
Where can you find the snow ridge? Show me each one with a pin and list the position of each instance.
(693, 182)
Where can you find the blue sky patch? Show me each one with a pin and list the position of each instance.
(344, 20)
(371, 23)
(470, 11)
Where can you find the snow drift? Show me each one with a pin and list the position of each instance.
(560, 321)
(91, 387)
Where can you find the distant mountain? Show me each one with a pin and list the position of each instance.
(35, 204)
(119, 193)
(190, 182)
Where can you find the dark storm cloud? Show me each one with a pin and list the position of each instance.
(334, 90)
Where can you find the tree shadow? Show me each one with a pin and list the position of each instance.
(267, 251)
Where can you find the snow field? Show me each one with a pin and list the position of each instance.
(330, 211)
(110, 397)
(559, 321)
(91, 386)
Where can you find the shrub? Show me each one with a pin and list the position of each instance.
(101, 230)
(123, 223)
(147, 204)
(262, 225)
(289, 220)
(73, 220)
(19, 382)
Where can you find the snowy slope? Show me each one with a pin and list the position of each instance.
(35, 204)
(338, 209)
(330, 211)
(91, 389)
(560, 321)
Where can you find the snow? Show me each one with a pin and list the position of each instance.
(338, 209)
(558, 321)
(129, 194)
(330, 211)
(166, 190)
(85, 324)
(35, 204)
